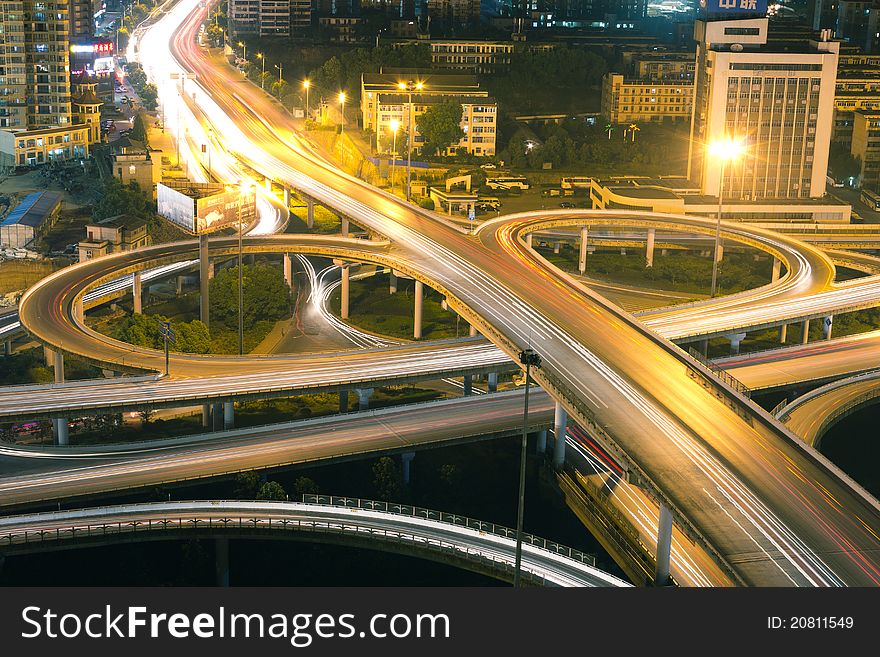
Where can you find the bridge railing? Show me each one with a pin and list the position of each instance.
(453, 519)
(725, 376)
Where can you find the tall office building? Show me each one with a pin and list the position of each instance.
(36, 123)
(777, 98)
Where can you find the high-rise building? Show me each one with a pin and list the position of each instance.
(82, 19)
(36, 121)
(777, 98)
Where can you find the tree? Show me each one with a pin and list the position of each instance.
(272, 491)
(247, 484)
(842, 164)
(146, 415)
(139, 131)
(265, 295)
(192, 337)
(440, 126)
(122, 199)
(149, 94)
(387, 479)
(305, 486)
(143, 331)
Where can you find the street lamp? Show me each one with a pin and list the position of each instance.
(262, 58)
(723, 150)
(530, 359)
(244, 189)
(243, 46)
(280, 67)
(409, 86)
(394, 125)
(307, 85)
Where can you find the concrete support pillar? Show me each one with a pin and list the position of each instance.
(217, 416)
(417, 313)
(344, 292)
(228, 415)
(392, 283)
(204, 277)
(286, 197)
(310, 213)
(664, 546)
(221, 561)
(529, 240)
(473, 331)
(288, 270)
(783, 333)
(649, 248)
(582, 259)
(7, 347)
(777, 269)
(211, 270)
(78, 310)
(556, 246)
(623, 251)
(343, 401)
(664, 252)
(541, 443)
(703, 348)
(179, 285)
(48, 356)
(363, 398)
(806, 330)
(493, 382)
(136, 291)
(406, 460)
(345, 229)
(468, 385)
(61, 428)
(560, 422)
(826, 327)
(206, 416)
(735, 340)
(62, 436)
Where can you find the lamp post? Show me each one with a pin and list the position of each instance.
(280, 68)
(394, 125)
(409, 86)
(262, 58)
(342, 124)
(244, 189)
(243, 47)
(530, 359)
(307, 85)
(723, 150)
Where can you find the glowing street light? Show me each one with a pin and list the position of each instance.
(243, 46)
(394, 124)
(726, 150)
(409, 86)
(307, 85)
(262, 58)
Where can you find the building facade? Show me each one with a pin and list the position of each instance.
(866, 146)
(857, 88)
(120, 233)
(267, 18)
(382, 103)
(625, 101)
(37, 123)
(777, 99)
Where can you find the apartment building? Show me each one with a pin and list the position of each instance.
(625, 101)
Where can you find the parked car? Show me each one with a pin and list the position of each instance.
(488, 165)
(567, 204)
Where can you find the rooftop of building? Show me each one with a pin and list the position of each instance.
(655, 82)
(644, 191)
(194, 189)
(391, 77)
(34, 209)
(124, 221)
(702, 199)
(773, 48)
(428, 98)
(128, 145)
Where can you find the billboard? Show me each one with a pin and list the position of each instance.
(176, 207)
(733, 8)
(220, 210)
(204, 208)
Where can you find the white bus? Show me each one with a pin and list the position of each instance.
(871, 199)
(576, 182)
(507, 182)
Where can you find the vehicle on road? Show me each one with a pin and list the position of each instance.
(507, 182)
(567, 204)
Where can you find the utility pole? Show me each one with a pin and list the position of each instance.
(530, 359)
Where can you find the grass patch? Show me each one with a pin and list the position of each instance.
(373, 309)
(677, 271)
(326, 222)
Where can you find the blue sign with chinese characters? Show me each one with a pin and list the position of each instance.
(734, 7)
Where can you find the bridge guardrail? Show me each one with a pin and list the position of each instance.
(451, 518)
